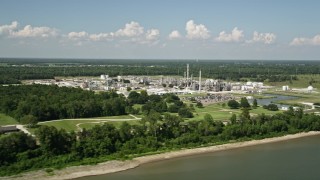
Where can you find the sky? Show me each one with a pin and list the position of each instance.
(161, 29)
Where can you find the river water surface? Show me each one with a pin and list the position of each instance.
(292, 159)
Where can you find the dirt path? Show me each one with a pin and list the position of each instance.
(22, 128)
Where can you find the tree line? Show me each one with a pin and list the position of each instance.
(156, 132)
(42, 102)
(227, 70)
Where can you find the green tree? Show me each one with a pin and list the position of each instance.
(125, 131)
(272, 107)
(233, 104)
(152, 118)
(245, 114)
(12, 144)
(173, 108)
(199, 105)
(29, 120)
(185, 113)
(244, 103)
(54, 141)
(255, 103)
(134, 97)
(144, 96)
(233, 119)
(208, 117)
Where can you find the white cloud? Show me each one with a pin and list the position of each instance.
(130, 30)
(152, 34)
(266, 38)
(234, 36)
(174, 35)
(78, 35)
(196, 31)
(8, 29)
(29, 31)
(101, 37)
(306, 41)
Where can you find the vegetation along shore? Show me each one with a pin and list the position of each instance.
(116, 166)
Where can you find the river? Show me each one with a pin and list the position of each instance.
(292, 159)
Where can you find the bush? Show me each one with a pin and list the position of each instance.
(185, 113)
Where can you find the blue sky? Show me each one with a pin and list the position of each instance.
(166, 29)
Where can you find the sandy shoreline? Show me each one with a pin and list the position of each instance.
(116, 166)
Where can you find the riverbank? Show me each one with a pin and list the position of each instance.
(116, 166)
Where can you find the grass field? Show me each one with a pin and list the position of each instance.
(302, 82)
(117, 124)
(224, 113)
(75, 125)
(7, 120)
(114, 117)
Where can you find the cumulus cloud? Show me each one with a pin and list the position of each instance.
(266, 38)
(234, 36)
(12, 31)
(152, 34)
(130, 30)
(8, 29)
(174, 35)
(306, 41)
(84, 36)
(29, 31)
(101, 37)
(78, 35)
(196, 31)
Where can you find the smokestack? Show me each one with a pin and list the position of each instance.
(200, 81)
(187, 75)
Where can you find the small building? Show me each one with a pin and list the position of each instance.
(285, 88)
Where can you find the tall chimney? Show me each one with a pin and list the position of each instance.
(200, 81)
(187, 75)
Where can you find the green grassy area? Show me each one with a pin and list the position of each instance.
(260, 110)
(70, 125)
(224, 113)
(7, 120)
(114, 117)
(302, 82)
(117, 124)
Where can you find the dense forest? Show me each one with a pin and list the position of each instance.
(157, 132)
(52, 102)
(14, 70)
(35, 103)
